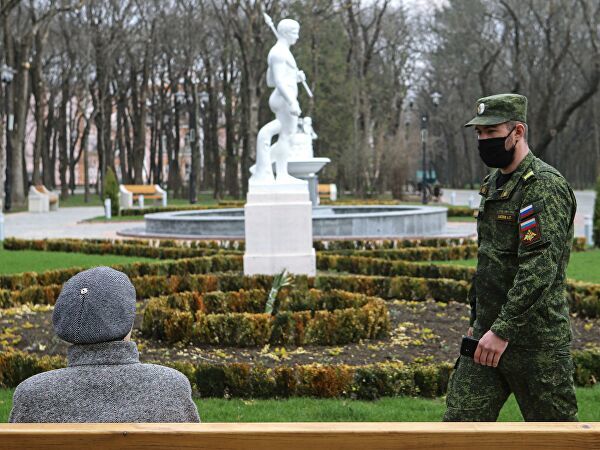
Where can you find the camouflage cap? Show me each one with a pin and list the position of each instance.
(500, 108)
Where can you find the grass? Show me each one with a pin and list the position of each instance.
(39, 261)
(399, 409)
(583, 266)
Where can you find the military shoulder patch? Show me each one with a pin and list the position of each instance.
(530, 210)
(529, 231)
(528, 175)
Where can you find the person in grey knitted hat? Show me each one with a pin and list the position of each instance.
(104, 380)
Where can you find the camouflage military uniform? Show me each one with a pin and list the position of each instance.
(525, 232)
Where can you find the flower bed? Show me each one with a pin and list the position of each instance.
(236, 318)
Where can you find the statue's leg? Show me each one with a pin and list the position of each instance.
(283, 148)
(263, 171)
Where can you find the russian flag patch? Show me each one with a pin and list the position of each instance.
(528, 224)
(526, 212)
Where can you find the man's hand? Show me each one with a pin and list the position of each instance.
(470, 332)
(301, 76)
(489, 350)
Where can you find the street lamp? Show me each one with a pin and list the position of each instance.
(424, 123)
(435, 98)
(6, 76)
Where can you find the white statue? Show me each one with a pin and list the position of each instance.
(283, 74)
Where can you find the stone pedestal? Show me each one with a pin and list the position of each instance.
(278, 229)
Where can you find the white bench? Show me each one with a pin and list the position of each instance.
(128, 193)
(328, 192)
(42, 200)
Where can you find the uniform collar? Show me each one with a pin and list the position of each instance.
(104, 353)
(505, 191)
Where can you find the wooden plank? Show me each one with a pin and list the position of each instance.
(296, 436)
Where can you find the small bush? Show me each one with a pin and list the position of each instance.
(111, 190)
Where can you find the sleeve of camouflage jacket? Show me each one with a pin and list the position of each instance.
(538, 262)
(472, 298)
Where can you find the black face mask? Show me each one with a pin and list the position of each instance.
(493, 152)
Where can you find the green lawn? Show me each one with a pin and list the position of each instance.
(37, 261)
(583, 266)
(400, 409)
(461, 219)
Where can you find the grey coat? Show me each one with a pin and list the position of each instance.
(105, 383)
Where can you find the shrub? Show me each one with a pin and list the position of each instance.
(16, 366)
(240, 380)
(310, 317)
(111, 190)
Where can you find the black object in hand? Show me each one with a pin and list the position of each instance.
(468, 346)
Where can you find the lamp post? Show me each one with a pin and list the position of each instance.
(204, 98)
(6, 76)
(427, 169)
(424, 123)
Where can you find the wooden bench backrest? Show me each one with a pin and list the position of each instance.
(324, 189)
(296, 436)
(141, 189)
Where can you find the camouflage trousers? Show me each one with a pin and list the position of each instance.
(541, 380)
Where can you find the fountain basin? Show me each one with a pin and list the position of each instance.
(329, 222)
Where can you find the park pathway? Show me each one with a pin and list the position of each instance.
(67, 222)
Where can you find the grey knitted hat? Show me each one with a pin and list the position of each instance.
(96, 305)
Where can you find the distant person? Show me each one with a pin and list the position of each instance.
(104, 380)
(519, 312)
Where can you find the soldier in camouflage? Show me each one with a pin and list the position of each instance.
(519, 311)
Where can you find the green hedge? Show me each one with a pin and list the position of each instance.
(411, 254)
(113, 248)
(584, 298)
(377, 266)
(236, 318)
(246, 381)
(217, 263)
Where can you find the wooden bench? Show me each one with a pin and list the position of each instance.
(128, 193)
(328, 192)
(41, 199)
(296, 436)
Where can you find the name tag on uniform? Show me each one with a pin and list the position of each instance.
(505, 216)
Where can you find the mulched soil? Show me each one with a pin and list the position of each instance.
(421, 332)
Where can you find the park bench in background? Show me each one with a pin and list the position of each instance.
(129, 193)
(296, 436)
(328, 192)
(41, 199)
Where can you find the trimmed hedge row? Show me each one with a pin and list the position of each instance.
(309, 317)
(361, 265)
(367, 382)
(584, 298)
(113, 248)
(172, 250)
(207, 264)
(412, 254)
(152, 286)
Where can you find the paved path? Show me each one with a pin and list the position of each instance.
(60, 224)
(65, 223)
